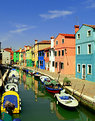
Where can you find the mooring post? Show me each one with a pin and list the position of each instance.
(81, 92)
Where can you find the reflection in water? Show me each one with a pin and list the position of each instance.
(41, 96)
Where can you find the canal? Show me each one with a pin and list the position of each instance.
(39, 105)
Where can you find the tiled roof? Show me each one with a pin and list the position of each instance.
(92, 26)
(8, 49)
(67, 35)
(17, 51)
(44, 42)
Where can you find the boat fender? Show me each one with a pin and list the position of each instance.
(57, 102)
(17, 119)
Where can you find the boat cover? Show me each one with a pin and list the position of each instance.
(12, 99)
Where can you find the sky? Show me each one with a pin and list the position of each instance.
(24, 21)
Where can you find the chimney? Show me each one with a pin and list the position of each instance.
(36, 41)
(52, 41)
(76, 28)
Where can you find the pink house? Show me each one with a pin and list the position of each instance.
(65, 54)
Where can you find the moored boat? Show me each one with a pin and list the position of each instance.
(52, 86)
(11, 87)
(66, 100)
(44, 78)
(12, 97)
(37, 76)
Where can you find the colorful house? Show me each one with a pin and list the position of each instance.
(5, 57)
(39, 46)
(28, 56)
(33, 55)
(11, 54)
(85, 52)
(46, 58)
(20, 57)
(65, 54)
(52, 56)
(16, 56)
(41, 61)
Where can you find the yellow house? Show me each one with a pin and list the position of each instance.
(33, 55)
(39, 46)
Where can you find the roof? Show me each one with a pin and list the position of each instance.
(92, 26)
(8, 49)
(44, 42)
(17, 51)
(67, 35)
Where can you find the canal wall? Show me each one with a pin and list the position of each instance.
(83, 90)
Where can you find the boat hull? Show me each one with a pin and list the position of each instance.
(53, 90)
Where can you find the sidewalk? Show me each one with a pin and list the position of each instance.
(77, 84)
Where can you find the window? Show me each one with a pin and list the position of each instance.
(43, 53)
(89, 33)
(62, 52)
(56, 65)
(89, 69)
(78, 50)
(56, 42)
(47, 54)
(62, 65)
(89, 48)
(59, 53)
(78, 68)
(55, 53)
(78, 36)
(52, 63)
(62, 41)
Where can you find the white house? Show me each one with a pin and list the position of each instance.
(52, 56)
(6, 59)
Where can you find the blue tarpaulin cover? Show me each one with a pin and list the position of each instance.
(12, 99)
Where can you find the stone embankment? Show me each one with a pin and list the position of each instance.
(84, 90)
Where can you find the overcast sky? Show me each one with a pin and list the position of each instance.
(23, 21)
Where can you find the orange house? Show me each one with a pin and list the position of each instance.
(65, 54)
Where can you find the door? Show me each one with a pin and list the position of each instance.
(83, 71)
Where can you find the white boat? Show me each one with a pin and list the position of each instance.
(13, 73)
(11, 87)
(66, 100)
(44, 78)
(13, 79)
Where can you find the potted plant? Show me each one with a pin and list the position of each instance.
(66, 82)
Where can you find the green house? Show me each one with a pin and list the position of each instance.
(16, 56)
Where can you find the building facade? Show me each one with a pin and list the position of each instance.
(85, 52)
(65, 54)
(46, 58)
(41, 60)
(16, 57)
(52, 56)
(39, 46)
(6, 57)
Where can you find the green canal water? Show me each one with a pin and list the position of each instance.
(39, 105)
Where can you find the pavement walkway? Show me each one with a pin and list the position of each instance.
(76, 84)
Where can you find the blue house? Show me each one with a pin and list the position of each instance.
(41, 61)
(85, 52)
